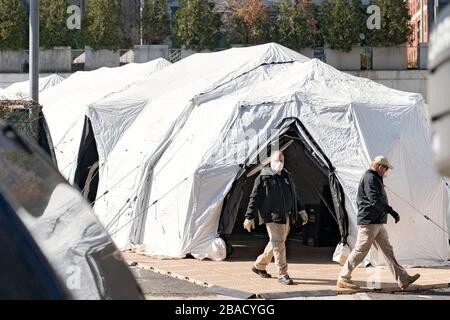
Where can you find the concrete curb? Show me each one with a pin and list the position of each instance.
(170, 274)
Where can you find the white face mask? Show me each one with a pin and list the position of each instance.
(277, 166)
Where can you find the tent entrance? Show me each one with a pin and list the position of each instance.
(315, 187)
(86, 175)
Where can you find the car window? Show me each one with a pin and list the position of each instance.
(31, 181)
(63, 225)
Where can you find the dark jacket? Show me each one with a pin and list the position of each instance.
(372, 200)
(275, 197)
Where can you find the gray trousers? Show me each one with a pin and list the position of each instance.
(275, 248)
(377, 235)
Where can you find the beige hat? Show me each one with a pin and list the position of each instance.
(383, 161)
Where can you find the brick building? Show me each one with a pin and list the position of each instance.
(423, 14)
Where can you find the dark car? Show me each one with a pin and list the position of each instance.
(51, 244)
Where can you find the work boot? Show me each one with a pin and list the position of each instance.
(285, 280)
(347, 283)
(261, 273)
(411, 280)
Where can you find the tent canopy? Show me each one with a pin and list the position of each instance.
(21, 90)
(169, 97)
(65, 106)
(163, 180)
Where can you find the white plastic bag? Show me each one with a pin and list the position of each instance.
(217, 250)
(341, 253)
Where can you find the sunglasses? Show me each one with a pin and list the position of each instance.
(386, 168)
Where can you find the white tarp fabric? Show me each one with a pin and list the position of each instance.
(447, 184)
(163, 181)
(170, 97)
(21, 90)
(55, 237)
(65, 106)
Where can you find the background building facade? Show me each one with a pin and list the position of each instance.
(423, 15)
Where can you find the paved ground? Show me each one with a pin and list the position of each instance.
(157, 286)
(311, 269)
(161, 287)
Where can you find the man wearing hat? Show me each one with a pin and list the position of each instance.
(373, 208)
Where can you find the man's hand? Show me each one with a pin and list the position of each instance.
(249, 224)
(395, 215)
(304, 217)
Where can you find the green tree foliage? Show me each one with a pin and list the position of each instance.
(297, 25)
(341, 21)
(104, 21)
(395, 24)
(155, 21)
(13, 25)
(247, 22)
(197, 25)
(53, 25)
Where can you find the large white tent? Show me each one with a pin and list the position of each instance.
(65, 106)
(21, 90)
(164, 178)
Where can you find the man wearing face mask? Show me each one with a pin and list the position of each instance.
(373, 208)
(274, 198)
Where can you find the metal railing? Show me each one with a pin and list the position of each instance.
(174, 55)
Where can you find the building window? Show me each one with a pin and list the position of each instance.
(418, 31)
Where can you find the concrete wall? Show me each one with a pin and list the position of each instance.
(100, 58)
(344, 60)
(12, 61)
(407, 80)
(57, 60)
(150, 52)
(307, 52)
(390, 58)
(127, 57)
(423, 56)
(62, 59)
(186, 53)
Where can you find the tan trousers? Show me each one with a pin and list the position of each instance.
(377, 235)
(275, 248)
